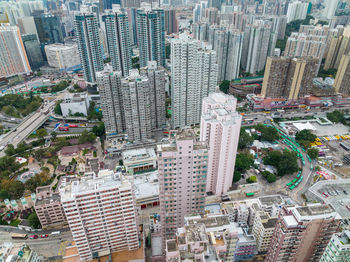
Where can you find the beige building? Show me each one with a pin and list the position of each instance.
(342, 80)
(339, 45)
(48, 207)
(263, 228)
(289, 78)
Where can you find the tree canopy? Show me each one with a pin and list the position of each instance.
(285, 162)
(245, 139)
(243, 162)
(16, 105)
(99, 130)
(336, 117)
(268, 133)
(305, 137)
(224, 86)
(34, 221)
(87, 137)
(313, 153)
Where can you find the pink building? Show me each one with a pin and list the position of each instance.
(182, 167)
(220, 127)
(302, 233)
(48, 207)
(101, 213)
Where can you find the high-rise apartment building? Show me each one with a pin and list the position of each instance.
(330, 8)
(136, 106)
(289, 77)
(109, 84)
(151, 35)
(300, 44)
(171, 25)
(338, 248)
(49, 28)
(156, 77)
(89, 44)
(220, 127)
(342, 79)
(228, 46)
(194, 76)
(259, 42)
(13, 57)
(27, 26)
(131, 11)
(118, 40)
(101, 213)
(339, 46)
(302, 233)
(297, 10)
(32, 47)
(182, 167)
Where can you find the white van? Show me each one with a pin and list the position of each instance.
(55, 233)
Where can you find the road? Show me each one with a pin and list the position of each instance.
(31, 123)
(47, 247)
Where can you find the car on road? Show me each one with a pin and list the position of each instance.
(348, 207)
(324, 194)
(33, 236)
(44, 236)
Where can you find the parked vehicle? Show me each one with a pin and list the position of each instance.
(44, 236)
(33, 236)
(63, 128)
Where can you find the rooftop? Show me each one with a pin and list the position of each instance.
(270, 223)
(49, 199)
(209, 222)
(171, 245)
(270, 200)
(146, 185)
(92, 182)
(138, 154)
(196, 233)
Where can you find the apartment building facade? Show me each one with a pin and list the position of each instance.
(220, 128)
(101, 213)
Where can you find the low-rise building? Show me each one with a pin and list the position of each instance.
(146, 188)
(139, 159)
(48, 207)
(338, 249)
(18, 252)
(75, 103)
(211, 238)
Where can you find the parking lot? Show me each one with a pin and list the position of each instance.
(336, 193)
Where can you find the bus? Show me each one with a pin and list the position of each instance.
(249, 194)
(18, 236)
(294, 180)
(292, 187)
(298, 175)
(344, 146)
(289, 184)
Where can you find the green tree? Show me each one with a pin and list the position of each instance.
(34, 221)
(87, 137)
(313, 153)
(41, 132)
(224, 86)
(16, 189)
(10, 150)
(336, 117)
(4, 194)
(53, 135)
(268, 133)
(251, 179)
(305, 137)
(237, 176)
(243, 162)
(245, 139)
(99, 130)
(285, 162)
(271, 178)
(57, 109)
